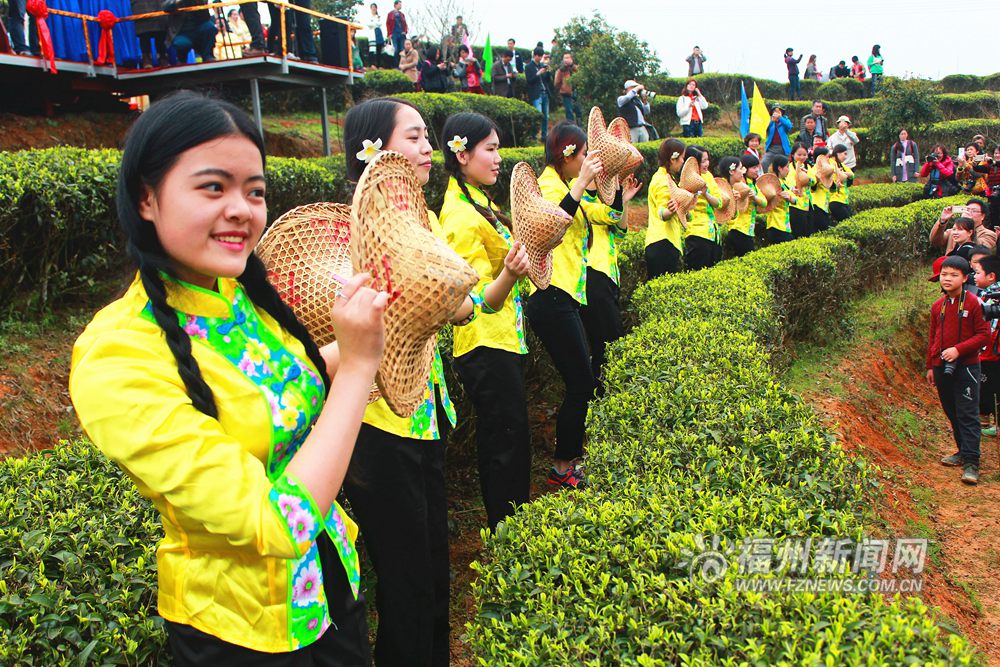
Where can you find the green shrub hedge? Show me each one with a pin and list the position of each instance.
(700, 440)
(518, 121)
(696, 438)
(58, 227)
(967, 83)
(77, 562)
(663, 114)
(722, 88)
(842, 89)
(60, 233)
(380, 83)
(950, 133)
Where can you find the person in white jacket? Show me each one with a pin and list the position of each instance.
(691, 107)
(845, 136)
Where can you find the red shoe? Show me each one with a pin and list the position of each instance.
(571, 479)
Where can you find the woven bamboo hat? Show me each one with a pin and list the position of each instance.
(801, 177)
(769, 186)
(825, 170)
(691, 178)
(685, 200)
(538, 223)
(618, 127)
(742, 194)
(727, 209)
(307, 253)
(619, 157)
(426, 280)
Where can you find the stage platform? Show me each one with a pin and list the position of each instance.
(26, 75)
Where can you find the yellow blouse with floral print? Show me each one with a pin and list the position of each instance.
(572, 256)
(660, 229)
(484, 245)
(239, 558)
(746, 222)
(423, 424)
(701, 221)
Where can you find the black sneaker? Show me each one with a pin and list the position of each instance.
(971, 474)
(953, 461)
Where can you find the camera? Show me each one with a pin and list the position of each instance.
(931, 157)
(990, 299)
(650, 94)
(950, 367)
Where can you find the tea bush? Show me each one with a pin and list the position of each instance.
(695, 438)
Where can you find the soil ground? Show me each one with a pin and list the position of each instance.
(872, 392)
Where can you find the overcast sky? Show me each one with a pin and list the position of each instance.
(917, 36)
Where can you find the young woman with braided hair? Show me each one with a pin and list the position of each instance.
(396, 481)
(202, 385)
(490, 351)
(556, 313)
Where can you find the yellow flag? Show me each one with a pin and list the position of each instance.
(759, 117)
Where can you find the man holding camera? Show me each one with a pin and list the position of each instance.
(957, 332)
(974, 209)
(536, 75)
(564, 85)
(633, 106)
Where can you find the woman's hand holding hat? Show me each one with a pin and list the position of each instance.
(517, 260)
(357, 323)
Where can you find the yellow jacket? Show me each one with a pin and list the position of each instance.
(238, 559)
(805, 199)
(842, 193)
(483, 245)
(820, 195)
(572, 256)
(779, 218)
(659, 229)
(746, 222)
(702, 219)
(423, 424)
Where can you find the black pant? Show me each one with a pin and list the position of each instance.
(602, 320)
(554, 316)
(801, 223)
(700, 253)
(990, 387)
(959, 395)
(820, 219)
(738, 243)
(343, 644)
(252, 16)
(494, 380)
(839, 212)
(396, 487)
(778, 236)
(662, 257)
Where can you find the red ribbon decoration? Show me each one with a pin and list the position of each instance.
(40, 11)
(106, 47)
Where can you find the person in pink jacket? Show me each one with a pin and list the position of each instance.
(939, 169)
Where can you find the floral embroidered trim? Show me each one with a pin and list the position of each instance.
(458, 144)
(369, 150)
(569, 150)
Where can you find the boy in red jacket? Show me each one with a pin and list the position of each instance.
(957, 333)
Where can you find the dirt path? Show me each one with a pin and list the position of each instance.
(876, 398)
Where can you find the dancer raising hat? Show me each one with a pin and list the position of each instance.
(821, 177)
(667, 221)
(554, 313)
(396, 482)
(779, 222)
(703, 240)
(489, 352)
(800, 181)
(203, 386)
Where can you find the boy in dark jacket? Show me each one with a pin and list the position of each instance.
(957, 333)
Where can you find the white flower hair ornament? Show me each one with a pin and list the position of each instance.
(569, 150)
(458, 144)
(675, 155)
(369, 149)
(733, 167)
